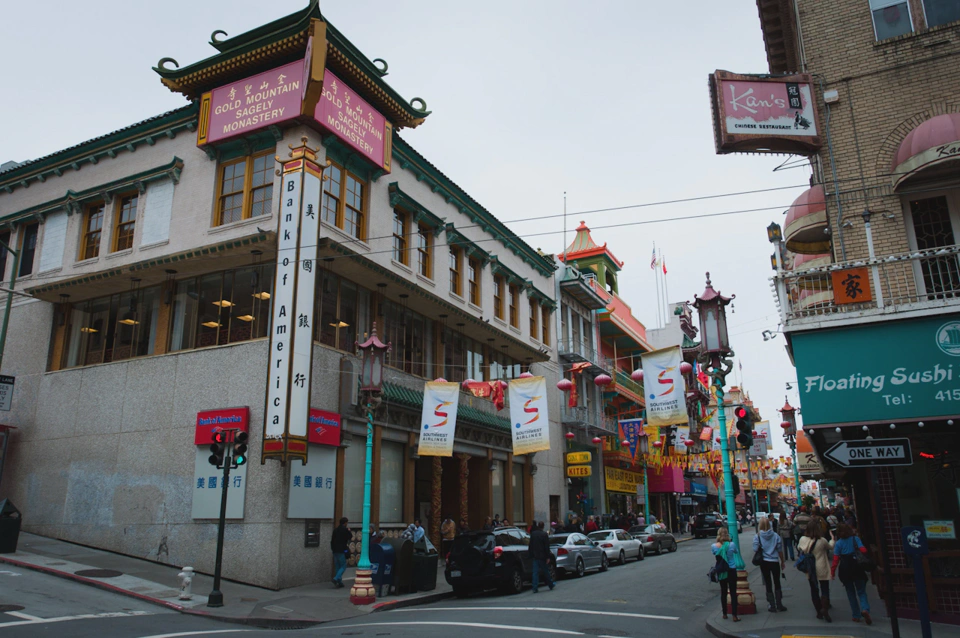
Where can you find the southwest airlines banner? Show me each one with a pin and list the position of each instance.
(664, 387)
(439, 418)
(530, 425)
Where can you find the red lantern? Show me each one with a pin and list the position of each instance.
(718, 439)
(688, 443)
(637, 375)
(785, 425)
(686, 368)
(564, 385)
(466, 384)
(570, 435)
(766, 466)
(597, 440)
(625, 443)
(504, 385)
(602, 380)
(439, 380)
(526, 375)
(658, 444)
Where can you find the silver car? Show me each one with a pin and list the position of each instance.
(655, 538)
(576, 554)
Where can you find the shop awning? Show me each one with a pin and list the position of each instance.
(929, 151)
(806, 220)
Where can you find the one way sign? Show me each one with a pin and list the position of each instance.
(872, 453)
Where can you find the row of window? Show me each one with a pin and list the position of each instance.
(124, 224)
(233, 306)
(894, 17)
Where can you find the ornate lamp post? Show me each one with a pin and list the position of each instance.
(711, 306)
(643, 447)
(372, 352)
(789, 426)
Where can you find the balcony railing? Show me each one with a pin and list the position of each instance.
(627, 383)
(587, 417)
(578, 351)
(918, 280)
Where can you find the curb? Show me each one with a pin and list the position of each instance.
(263, 622)
(718, 632)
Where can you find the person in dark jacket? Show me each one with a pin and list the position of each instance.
(340, 546)
(540, 553)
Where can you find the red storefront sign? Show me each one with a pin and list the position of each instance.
(323, 427)
(210, 421)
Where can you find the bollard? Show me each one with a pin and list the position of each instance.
(186, 583)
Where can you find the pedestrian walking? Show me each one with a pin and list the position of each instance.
(462, 527)
(340, 546)
(540, 553)
(725, 552)
(813, 544)
(786, 533)
(448, 531)
(770, 544)
(488, 524)
(801, 520)
(591, 525)
(854, 579)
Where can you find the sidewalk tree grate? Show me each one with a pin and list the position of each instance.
(99, 573)
(6, 608)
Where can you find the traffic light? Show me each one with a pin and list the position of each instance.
(744, 426)
(736, 485)
(218, 448)
(240, 449)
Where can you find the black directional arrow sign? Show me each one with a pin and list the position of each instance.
(873, 453)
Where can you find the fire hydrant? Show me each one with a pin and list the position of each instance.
(186, 583)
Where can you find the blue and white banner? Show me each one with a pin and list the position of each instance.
(529, 422)
(664, 387)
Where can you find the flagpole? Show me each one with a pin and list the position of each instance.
(656, 267)
(666, 294)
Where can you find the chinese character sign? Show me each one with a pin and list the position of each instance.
(438, 420)
(208, 487)
(664, 387)
(312, 485)
(763, 108)
(354, 121)
(630, 431)
(529, 423)
(851, 286)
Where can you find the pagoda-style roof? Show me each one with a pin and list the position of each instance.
(583, 246)
(283, 41)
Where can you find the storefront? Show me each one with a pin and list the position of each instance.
(621, 487)
(666, 486)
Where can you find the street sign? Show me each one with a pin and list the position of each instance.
(6, 392)
(874, 453)
(577, 458)
(579, 471)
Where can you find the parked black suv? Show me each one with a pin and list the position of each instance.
(706, 525)
(481, 560)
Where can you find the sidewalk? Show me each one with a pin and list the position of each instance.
(155, 583)
(801, 620)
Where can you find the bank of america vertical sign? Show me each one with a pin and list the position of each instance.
(291, 332)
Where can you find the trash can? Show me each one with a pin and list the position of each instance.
(9, 527)
(381, 561)
(425, 562)
(402, 564)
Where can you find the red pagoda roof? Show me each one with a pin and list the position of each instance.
(584, 246)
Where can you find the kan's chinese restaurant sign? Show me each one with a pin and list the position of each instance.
(276, 97)
(762, 114)
(880, 372)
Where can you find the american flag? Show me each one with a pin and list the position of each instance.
(653, 259)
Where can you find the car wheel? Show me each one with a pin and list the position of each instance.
(552, 570)
(603, 562)
(640, 553)
(580, 569)
(622, 559)
(659, 549)
(673, 547)
(515, 584)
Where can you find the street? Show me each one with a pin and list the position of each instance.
(667, 594)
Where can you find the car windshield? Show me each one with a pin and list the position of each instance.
(598, 536)
(636, 529)
(558, 540)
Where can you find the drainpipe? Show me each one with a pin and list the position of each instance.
(836, 185)
(10, 293)
(874, 271)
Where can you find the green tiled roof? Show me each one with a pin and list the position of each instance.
(399, 395)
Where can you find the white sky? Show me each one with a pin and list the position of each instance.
(607, 101)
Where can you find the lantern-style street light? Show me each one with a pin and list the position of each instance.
(789, 425)
(711, 306)
(372, 353)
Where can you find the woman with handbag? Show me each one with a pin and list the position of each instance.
(725, 552)
(845, 556)
(814, 546)
(768, 555)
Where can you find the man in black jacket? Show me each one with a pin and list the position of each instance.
(340, 546)
(540, 553)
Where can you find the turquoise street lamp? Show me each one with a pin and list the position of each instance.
(789, 426)
(716, 356)
(372, 353)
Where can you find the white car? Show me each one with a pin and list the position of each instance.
(617, 545)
